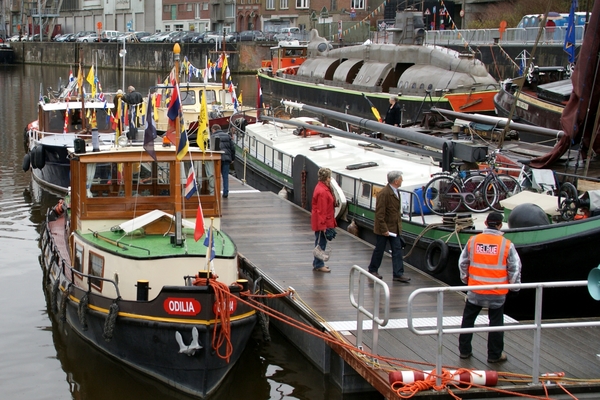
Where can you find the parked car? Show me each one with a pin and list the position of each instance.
(189, 37)
(251, 36)
(65, 37)
(92, 37)
(177, 36)
(290, 33)
(15, 38)
(107, 36)
(151, 38)
(214, 37)
(199, 38)
(139, 35)
(123, 37)
(82, 33)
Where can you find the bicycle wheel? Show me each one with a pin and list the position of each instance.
(481, 193)
(442, 195)
(506, 186)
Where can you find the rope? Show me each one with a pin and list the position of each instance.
(459, 224)
(111, 318)
(303, 189)
(82, 310)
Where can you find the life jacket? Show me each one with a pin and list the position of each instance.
(488, 262)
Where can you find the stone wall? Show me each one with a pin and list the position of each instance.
(243, 58)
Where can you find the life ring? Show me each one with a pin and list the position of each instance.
(290, 71)
(26, 162)
(436, 256)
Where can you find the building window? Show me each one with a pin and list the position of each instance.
(179, 27)
(167, 28)
(166, 8)
(302, 3)
(358, 4)
(283, 4)
(270, 5)
(205, 6)
(229, 10)
(189, 6)
(96, 268)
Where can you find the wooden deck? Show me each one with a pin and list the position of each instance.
(275, 235)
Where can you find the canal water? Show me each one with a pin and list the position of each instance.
(39, 361)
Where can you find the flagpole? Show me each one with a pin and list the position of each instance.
(210, 246)
(178, 197)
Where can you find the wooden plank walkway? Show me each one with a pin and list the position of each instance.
(275, 235)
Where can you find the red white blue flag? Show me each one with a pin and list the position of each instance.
(190, 184)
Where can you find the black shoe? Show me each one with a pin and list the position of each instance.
(402, 278)
(225, 196)
(376, 275)
(465, 356)
(502, 358)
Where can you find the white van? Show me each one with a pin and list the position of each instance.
(106, 36)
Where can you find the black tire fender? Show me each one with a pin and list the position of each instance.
(26, 162)
(436, 256)
(38, 155)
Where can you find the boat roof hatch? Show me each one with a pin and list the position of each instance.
(372, 74)
(347, 68)
(317, 67)
(322, 147)
(367, 164)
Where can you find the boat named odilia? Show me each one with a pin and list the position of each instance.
(130, 267)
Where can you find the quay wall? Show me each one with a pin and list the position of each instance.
(244, 57)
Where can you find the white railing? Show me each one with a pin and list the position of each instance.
(359, 303)
(536, 326)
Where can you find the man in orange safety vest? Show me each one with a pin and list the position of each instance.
(487, 259)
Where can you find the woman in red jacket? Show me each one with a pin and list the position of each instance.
(322, 215)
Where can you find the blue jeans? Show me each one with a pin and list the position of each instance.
(397, 254)
(322, 241)
(495, 339)
(225, 175)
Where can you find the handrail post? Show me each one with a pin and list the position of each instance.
(440, 334)
(359, 315)
(537, 335)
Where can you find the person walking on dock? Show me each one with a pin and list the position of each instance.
(220, 140)
(134, 99)
(487, 259)
(392, 115)
(388, 227)
(322, 218)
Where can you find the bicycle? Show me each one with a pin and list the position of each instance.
(447, 192)
(497, 186)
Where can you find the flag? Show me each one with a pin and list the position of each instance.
(373, 109)
(174, 104)
(199, 228)
(91, 79)
(224, 70)
(202, 134)
(234, 100)
(190, 185)
(150, 129)
(522, 66)
(183, 146)
(569, 46)
(240, 97)
(66, 119)
(71, 78)
(209, 242)
(80, 79)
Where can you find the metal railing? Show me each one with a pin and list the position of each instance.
(359, 304)
(536, 326)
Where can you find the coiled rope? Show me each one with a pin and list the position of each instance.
(458, 222)
(63, 303)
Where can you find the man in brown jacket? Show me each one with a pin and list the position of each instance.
(388, 227)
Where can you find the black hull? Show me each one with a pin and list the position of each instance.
(531, 111)
(55, 173)
(345, 101)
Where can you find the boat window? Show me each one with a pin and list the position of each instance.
(204, 171)
(105, 180)
(406, 85)
(78, 262)
(211, 97)
(422, 86)
(96, 268)
(188, 98)
(414, 85)
(366, 190)
(429, 87)
(151, 179)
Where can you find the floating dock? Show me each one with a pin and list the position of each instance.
(275, 241)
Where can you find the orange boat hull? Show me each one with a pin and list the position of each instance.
(472, 102)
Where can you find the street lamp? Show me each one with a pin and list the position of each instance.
(122, 53)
